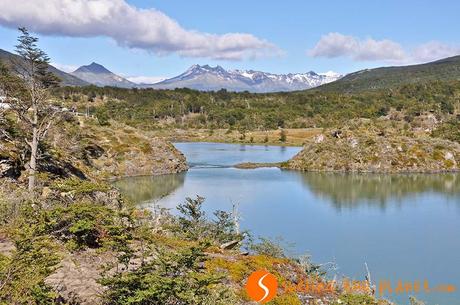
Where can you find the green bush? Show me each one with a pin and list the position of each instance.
(268, 247)
(449, 130)
(102, 117)
(193, 224)
(79, 186)
(173, 278)
(22, 275)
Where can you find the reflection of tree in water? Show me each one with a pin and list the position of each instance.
(145, 189)
(352, 190)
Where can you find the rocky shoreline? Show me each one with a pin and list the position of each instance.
(87, 150)
(377, 153)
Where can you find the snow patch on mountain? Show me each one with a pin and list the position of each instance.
(209, 78)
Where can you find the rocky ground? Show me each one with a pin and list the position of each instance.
(81, 147)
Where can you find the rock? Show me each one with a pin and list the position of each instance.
(449, 156)
(337, 134)
(6, 247)
(4, 167)
(10, 167)
(94, 151)
(319, 138)
(46, 192)
(353, 142)
(230, 245)
(75, 279)
(151, 157)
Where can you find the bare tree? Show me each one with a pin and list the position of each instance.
(27, 93)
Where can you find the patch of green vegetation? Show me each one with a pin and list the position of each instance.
(23, 273)
(173, 278)
(448, 130)
(79, 186)
(83, 225)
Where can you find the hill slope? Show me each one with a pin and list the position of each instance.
(66, 78)
(390, 77)
(98, 75)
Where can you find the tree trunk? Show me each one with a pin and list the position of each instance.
(33, 153)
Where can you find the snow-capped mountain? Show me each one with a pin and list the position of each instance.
(208, 78)
(98, 75)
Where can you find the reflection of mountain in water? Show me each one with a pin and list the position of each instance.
(352, 190)
(145, 189)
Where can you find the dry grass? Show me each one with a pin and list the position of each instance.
(294, 137)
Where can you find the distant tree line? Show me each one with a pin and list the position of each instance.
(185, 108)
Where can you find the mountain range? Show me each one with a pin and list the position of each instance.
(207, 78)
(197, 77)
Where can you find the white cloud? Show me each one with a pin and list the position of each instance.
(146, 79)
(335, 45)
(147, 29)
(64, 67)
(434, 50)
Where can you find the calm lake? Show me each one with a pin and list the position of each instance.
(405, 227)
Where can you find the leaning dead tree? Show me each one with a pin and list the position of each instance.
(26, 91)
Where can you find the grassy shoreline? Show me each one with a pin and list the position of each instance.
(294, 137)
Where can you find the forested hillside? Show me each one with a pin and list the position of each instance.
(391, 77)
(184, 108)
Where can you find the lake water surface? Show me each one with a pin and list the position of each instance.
(405, 227)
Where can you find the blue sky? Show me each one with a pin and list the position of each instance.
(283, 36)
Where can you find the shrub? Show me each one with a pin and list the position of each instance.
(283, 135)
(83, 225)
(102, 117)
(173, 278)
(22, 275)
(194, 225)
(449, 130)
(79, 186)
(192, 219)
(268, 247)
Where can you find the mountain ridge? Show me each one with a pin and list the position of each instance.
(390, 77)
(99, 75)
(93, 67)
(67, 79)
(207, 78)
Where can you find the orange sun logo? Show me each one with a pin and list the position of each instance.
(262, 286)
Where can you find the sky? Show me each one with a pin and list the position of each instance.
(147, 40)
